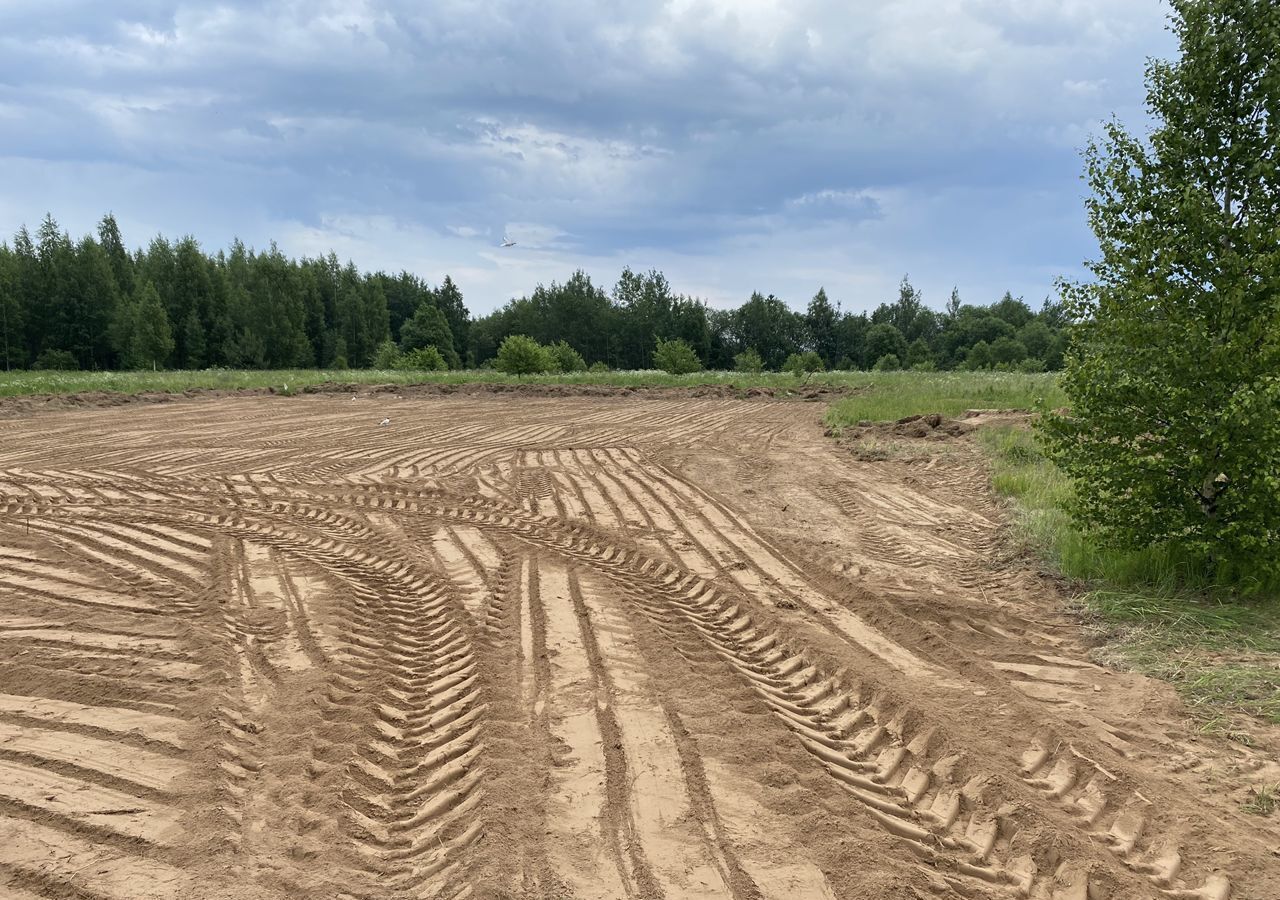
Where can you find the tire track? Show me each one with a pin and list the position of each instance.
(434, 656)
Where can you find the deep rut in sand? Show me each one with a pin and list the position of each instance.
(590, 648)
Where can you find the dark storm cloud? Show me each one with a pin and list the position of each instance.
(911, 136)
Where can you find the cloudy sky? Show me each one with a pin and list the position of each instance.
(737, 145)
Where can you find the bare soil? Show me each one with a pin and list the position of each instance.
(532, 646)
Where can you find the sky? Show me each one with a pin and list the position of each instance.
(735, 145)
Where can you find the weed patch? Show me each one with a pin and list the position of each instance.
(1218, 643)
(889, 396)
(1263, 801)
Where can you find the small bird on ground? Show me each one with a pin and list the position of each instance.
(385, 422)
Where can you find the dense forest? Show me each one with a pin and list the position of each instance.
(93, 304)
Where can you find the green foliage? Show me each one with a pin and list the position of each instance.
(801, 364)
(140, 332)
(885, 339)
(821, 321)
(888, 396)
(566, 358)
(1263, 800)
(979, 357)
(767, 324)
(387, 356)
(429, 328)
(1166, 617)
(1173, 438)
(918, 354)
(599, 366)
(422, 359)
(521, 355)
(675, 357)
(59, 360)
(258, 309)
(887, 363)
(1007, 351)
(748, 361)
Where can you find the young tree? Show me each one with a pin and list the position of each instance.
(387, 356)
(427, 359)
(522, 355)
(1173, 435)
(675, 357)
(748, 361)
(566, 358)
(802, 364)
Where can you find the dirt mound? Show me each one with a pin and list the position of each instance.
(508, 643)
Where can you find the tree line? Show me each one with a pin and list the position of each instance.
(93, 304)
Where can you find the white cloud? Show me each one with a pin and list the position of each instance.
(735, 143)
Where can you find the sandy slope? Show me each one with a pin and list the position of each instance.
(560, 647)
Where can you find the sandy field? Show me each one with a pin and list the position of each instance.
(564, 647)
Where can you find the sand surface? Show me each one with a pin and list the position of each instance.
(563, 647)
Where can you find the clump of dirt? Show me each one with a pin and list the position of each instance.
(929, 426)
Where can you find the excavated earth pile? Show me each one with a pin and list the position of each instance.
(544, 647)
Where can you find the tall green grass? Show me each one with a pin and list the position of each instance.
(1217, 640)
(50, 382)
(886, 396)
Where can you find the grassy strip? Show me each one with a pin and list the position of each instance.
(1220, 651)
(23, 383)
(886, 396)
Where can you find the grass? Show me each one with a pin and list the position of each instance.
(887, 396)
(25, 383)
(1217, 643)
(1263, 801)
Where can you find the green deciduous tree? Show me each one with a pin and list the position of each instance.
(885, 340)
(748, 361)
(428, 359)
(566, 358)
(1173, 435)
(802, 364)
(521, 355)
(386, 356)
(256, 309)
(770, 326)
(675, 357)
(1005, 351)
(429, 328)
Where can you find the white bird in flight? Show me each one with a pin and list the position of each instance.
(507, 242)
(385, 422)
